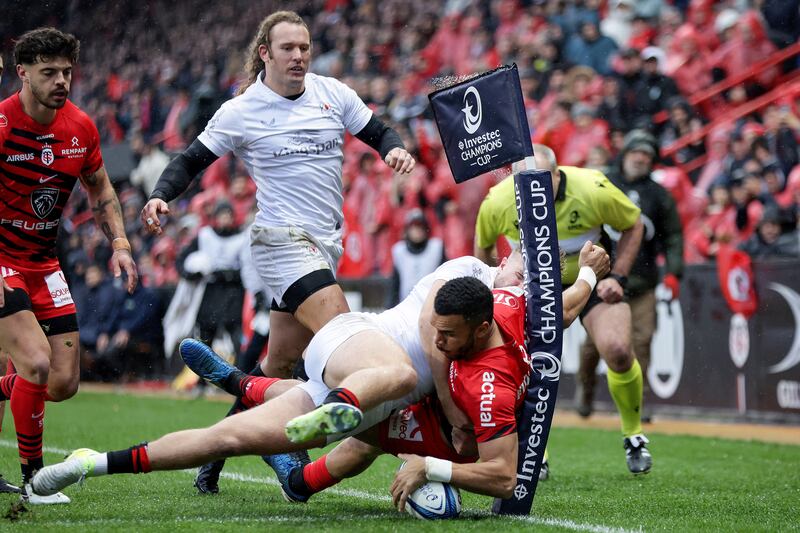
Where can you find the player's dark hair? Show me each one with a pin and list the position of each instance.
(467, 297)
(45, 44)
(253, 64)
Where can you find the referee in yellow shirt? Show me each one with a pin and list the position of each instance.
(585, 201)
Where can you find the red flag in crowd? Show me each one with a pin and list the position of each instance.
(736, 279)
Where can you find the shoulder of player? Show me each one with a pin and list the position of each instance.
(79, 118)
(327, 82)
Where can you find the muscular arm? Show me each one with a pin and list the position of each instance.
(494, 475)
(628, 248)
(181, 171)
(108, 215)
(574, 300)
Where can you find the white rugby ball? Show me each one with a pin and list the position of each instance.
(434, 500)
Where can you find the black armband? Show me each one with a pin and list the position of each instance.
(379, 136)
(181, 171)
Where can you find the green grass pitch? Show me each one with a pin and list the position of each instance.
(696, 483)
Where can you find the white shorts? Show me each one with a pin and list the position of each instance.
(322, 345)
(283, 255)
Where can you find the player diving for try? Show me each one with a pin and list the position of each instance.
(278, 425)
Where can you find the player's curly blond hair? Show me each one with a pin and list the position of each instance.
(253, 63)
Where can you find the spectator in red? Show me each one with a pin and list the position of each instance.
(588, 131)
(557, 129)
(163, 254)
(717, 225)
(688, 62)
(748, 46)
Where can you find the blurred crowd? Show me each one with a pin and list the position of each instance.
(591, 71)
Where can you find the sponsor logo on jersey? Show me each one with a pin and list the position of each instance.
(487, 400)
(506, 299)
(44, 137)
(16, 158)
(404, 425)
(307, 149)
(43, 201)
(76, 151)
(3, 121)
(47, 155)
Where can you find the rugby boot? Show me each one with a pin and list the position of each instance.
(51, 479)
(205, 363)
(637, 455)
(283, 464)
(207, 479)
(8, 488)
(327, 419)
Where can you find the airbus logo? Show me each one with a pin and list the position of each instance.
(472, 119)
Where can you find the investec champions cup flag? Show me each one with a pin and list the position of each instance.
(482, 123)
(483, 126)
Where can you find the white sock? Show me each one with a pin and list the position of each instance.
(100, 465)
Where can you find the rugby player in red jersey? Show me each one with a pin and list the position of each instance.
(482, 333)
(46, 145)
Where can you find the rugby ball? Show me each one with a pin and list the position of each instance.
(434, 500)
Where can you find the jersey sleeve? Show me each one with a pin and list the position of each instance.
(490, 405)
(93, 160)
(617, 210)
(355, 113)
(224, 132)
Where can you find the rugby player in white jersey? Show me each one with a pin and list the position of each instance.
(287, 126)
(271, 427)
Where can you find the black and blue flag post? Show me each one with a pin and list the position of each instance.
(483, 127)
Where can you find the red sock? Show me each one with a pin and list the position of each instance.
(27, 406)
(317, 476)
(342, 395)
(7, 385)
(253, 389)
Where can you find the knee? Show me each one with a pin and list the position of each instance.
(619, 356)
(36, 365)
(405, 378)
(64, 390)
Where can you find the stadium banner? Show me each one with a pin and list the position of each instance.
(482, 123)
(543, 329)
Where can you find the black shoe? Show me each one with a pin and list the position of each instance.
(8, 488)
(207, 480)
(583, 400)
(637, 455)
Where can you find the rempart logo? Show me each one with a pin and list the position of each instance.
(472, 121)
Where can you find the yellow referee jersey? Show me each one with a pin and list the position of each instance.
(585, 200)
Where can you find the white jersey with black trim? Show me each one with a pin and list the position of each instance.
(292, 149)
(401, 322)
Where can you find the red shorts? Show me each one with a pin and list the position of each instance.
(45, 285)
(417, 429)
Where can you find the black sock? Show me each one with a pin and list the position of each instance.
(29, 469)
(342, 395)
(134, 460)
(298, 483)
(235, 380)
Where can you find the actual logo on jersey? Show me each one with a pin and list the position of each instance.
(43, 201)
(47, 155)
(473, 113)
(3, 121)
(547, 364)
(404, 425)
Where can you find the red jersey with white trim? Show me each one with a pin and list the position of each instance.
(39, 166)
(490, 386)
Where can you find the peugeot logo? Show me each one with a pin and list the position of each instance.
(472, 121)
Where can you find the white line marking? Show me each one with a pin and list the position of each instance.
(349, 493)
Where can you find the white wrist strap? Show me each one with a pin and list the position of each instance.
(438, 469)
(587, 274)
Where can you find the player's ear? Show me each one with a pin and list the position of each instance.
(22, 73)
(484, 330)
(264, 52)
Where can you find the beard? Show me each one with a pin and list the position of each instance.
(48, 100)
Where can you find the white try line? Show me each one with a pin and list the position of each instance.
(349, 493)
